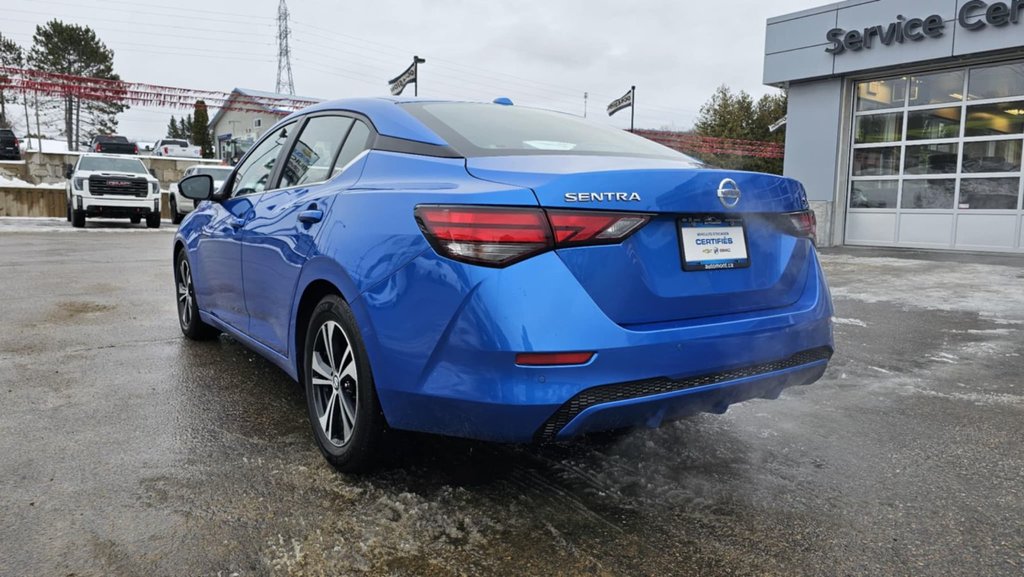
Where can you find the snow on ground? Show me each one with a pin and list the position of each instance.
(7, 181)
(49, 224)
(993, 291)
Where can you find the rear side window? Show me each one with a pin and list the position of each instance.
(254, 174)
(314, 151)
(358, 140)
(475, 129)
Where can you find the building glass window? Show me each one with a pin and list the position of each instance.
(879, 128)
(874, 194)
(933, 124)
(995, 119)
(928, 194)
(936, 88)
(931, 159)
(946, 141)
(882, 94)
(989, 193)
(1003, 81)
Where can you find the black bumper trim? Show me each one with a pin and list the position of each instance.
(637, 389)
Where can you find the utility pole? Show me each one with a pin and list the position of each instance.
(285, 82)
(585, 96)
(632, 108)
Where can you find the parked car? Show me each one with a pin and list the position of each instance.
(180, 206)
(101, 185)
(113, 144)
(176, 147)
(10, 147)
(500, 273)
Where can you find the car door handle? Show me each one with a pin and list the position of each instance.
(237, 222)
(311, 216)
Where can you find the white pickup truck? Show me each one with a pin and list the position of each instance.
(176, 147)
(108, 186)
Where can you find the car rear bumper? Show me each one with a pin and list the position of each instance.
(450, 367)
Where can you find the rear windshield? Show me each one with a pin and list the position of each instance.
(494, 130)
(216, 173)
(175, 143)
(101, 164)
(111, 139)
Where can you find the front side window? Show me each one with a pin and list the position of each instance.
(254, 174)
(313, 154)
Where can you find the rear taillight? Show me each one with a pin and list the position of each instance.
(804, 224)
(99, 148)
(500, 236)
(578, 227)
(136, 149)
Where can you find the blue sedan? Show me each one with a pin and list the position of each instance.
(500, 273)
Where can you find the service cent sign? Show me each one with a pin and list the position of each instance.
(973, 16)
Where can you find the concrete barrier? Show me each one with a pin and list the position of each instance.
(52, 202)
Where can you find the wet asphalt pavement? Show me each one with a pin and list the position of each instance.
(126, 450)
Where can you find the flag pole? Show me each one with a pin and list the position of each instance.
(416, 61)
(632, 108)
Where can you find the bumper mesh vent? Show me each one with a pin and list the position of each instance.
(637, 389)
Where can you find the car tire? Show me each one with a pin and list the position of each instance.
(192, 325)
(135, 219)
(78, 218)
(69, 211)
(153, 220)
(344, 411)
(175, 215)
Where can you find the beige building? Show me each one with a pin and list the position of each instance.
(247, 115)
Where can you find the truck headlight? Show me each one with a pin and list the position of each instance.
(79, 183)
(154, 187)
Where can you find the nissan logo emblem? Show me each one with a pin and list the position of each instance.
(729, 193)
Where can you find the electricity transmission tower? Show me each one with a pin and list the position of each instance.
(285, 83)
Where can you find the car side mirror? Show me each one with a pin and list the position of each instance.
(152, 172)
(197, 187)
(69, 171)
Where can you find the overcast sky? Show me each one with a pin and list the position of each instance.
(538, 52)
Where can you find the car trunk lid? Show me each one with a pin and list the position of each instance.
(642, 280)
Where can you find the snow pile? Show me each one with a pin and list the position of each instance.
(7, 181)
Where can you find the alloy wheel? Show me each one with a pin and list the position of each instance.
(335, 380)
(186, 293)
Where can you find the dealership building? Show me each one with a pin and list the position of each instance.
(906, 120)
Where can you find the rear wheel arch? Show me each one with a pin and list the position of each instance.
(311, 297)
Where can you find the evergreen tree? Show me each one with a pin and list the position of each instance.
(172, 128)
(76, 50)
(737, 115)
(11, 56)
(200, 130)
(184, 127)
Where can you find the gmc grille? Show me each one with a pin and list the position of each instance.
(118, 186)
(632, 390)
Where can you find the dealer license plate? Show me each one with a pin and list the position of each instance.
(713, 243)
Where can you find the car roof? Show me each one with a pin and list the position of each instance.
(388, 118)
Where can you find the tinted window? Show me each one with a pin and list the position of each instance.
(175, 143)
(314, 150)
(101, 164)
(358, 140)
(120, 139)
(495, 130)
(254, 174)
